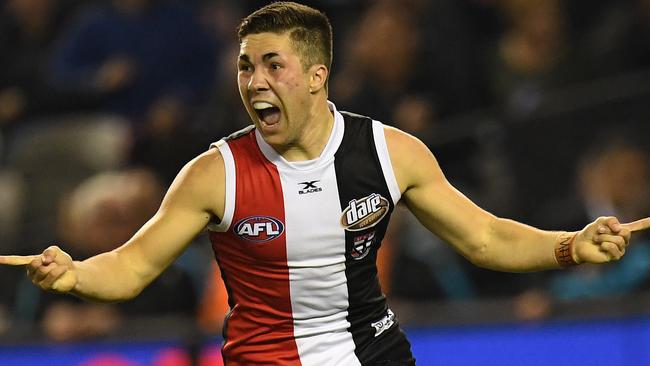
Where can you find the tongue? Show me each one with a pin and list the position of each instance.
(270, 116)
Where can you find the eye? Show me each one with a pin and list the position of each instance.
(245, 67)
(275, 66)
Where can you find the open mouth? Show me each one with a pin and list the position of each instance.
(267, 112)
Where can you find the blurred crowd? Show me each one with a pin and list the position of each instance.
(103, 101)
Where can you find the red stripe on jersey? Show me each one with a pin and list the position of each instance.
(252, 255)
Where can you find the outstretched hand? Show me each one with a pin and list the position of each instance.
(53, 270)
(605, 239)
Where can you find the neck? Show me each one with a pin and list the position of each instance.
(314, 136)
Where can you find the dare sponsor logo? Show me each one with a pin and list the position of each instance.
(364, 213)
(259, 229)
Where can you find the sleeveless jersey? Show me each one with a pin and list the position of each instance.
(297, 248)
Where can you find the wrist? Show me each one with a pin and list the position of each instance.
(565, 255)
(73, 281)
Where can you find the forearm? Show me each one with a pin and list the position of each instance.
(515, 247)
(108, 277)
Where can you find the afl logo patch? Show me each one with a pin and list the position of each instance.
(259, 229)
(364, 213)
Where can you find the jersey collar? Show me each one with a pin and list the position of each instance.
(328, 152)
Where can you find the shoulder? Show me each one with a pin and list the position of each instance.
(404, 145)
(207, 165)
(411, 159)
(202, 180)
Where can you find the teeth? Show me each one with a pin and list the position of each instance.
(262, 105)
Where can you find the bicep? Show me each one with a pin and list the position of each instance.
(189, 205)
(440, 207)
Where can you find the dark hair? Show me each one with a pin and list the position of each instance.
(310, 30)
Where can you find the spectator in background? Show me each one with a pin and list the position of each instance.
(28, 29)
(400, 57)
(625, 193)
(149, 61)
(222, 113)
(620, 39)
(100, 214)
(380, 60)
(532, 56)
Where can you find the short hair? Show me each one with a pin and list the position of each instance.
(309, 29)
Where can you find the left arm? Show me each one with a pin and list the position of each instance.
(484, 239)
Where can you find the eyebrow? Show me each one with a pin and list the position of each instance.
(265, 57)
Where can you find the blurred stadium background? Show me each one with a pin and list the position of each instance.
(536, 109)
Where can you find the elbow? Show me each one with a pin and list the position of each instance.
(479, 251)
(125, 295)
(479, 256)
(138, 284)
(132, 294)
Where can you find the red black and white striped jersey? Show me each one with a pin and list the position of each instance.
(297, 247)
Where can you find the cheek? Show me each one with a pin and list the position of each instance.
(295, 84)
(242, 82)
(241, 85)
(290, 81)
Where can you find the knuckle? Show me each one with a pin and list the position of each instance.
(52, 248)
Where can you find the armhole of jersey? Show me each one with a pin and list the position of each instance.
(384, 160)
(229, 209)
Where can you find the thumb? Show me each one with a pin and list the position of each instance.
(49, 255)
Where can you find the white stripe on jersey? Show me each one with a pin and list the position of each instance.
(316, 261)
(231, 185)
(384, 160)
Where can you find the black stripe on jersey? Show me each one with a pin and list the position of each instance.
(359, 175)
(240, 133)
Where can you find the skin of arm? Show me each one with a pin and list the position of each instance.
(484, 239)
(194, 198)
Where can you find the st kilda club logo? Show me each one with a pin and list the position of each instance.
(259, 229)
(364, 213)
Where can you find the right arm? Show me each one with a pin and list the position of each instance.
(194, 198)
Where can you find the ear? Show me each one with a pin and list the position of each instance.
(317, 78)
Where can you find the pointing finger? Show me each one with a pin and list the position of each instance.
(638, 225)
(17, 260)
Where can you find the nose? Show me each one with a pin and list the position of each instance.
(258, 81)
